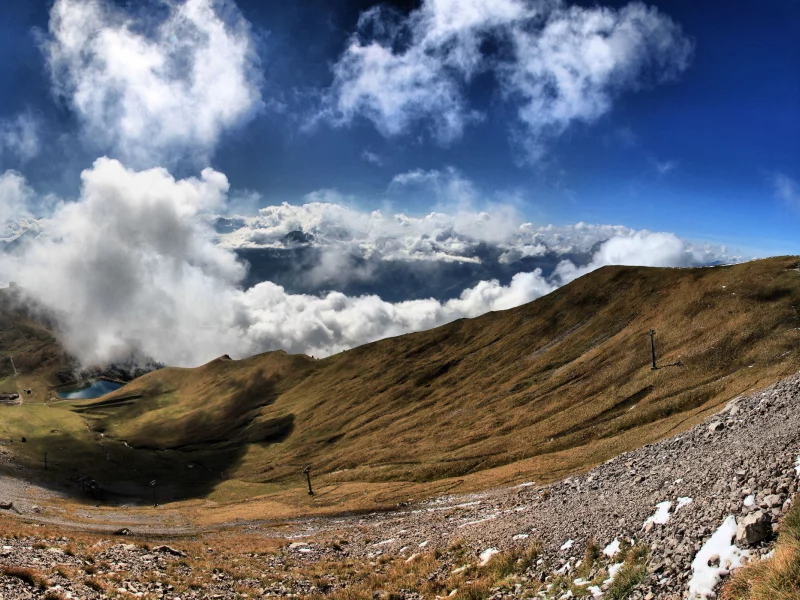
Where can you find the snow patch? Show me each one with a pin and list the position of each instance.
(595, 591)
(613, 570)
(719, 550)
(750, 500)
(683, 501)
(489, 518)
(487, 555)
(661, 515)
(797, 466)
(567, 545)
(520, 536)
(612, 549)
(384, 542)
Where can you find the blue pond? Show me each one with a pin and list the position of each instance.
(94, 389)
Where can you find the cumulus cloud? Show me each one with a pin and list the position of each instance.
(130, 267)
(457, 235)
(335, 322)
(19, 137)
(557, 64)
(642, 248)
(154, 93)
(581, 59)
(127, 266)
(133, 267)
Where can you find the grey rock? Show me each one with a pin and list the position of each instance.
(754, 528)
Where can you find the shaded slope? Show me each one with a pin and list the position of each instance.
(550, 387)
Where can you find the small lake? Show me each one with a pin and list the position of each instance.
(93, 389)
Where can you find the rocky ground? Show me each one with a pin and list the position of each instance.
(639, 520)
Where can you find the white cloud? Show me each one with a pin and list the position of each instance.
(558, 64)
(20, 137)
(785, 188)
(581, 59)
(129, 268)
(456, 235)
(335, 322)
(133, 266)
(645, 249)
(148, 93)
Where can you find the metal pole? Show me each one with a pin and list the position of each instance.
(653, 348)
(307, 471)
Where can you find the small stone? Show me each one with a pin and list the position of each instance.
(716, 426)
(169, 550)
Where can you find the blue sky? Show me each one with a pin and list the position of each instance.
(697, 155)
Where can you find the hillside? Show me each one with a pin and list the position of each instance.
(537, 392)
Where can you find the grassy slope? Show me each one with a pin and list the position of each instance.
(536, 392)
(554, 386)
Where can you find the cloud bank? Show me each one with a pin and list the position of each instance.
(458, 236)
(134, 267)
(556, 64)
(154, 93)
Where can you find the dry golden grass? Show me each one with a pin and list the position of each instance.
(533, 393)
(29, 575)
(537, 392)
(777, 578)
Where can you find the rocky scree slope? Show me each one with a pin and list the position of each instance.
(668, 497)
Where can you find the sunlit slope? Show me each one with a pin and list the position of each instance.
(553, 386)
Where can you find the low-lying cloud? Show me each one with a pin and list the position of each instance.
(133, 266)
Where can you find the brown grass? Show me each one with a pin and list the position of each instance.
(537, 392)
(777, 578)
(29, 575)
(533, 393)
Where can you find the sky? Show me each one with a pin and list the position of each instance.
(485, 144)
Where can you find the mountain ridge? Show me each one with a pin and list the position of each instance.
(569, 383)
